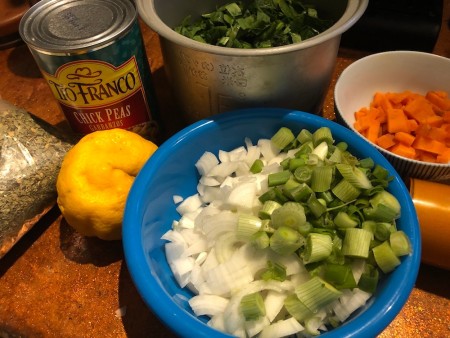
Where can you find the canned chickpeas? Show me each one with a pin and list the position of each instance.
(92, 55)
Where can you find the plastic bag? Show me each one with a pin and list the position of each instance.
(31, 152)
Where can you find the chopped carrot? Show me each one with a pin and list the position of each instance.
(405, 138)
(396, 121)
(428, 144)
(419, 109)
(440, 134)
(412, 125)
(439, 99)
(403, 150)
(373, 131)
(446, 116)
(408, 124)
(444, 157)
(386, 141)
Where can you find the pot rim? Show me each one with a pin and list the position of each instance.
(146, 9)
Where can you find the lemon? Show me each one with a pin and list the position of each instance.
(95, 178)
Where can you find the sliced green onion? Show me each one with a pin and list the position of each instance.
(295, 163)
(382, 231)
(342, 146)
(278, 178)
(384, 207)
(301, 193)
(296, 308)
(336, 256)
(323, 134)
(257, 166)
(345, 191)
(366, 162)
(316, 293)
(400, 243)
(268, 208)
(380, 172)
(318, 247)
(285, 163)
(274, 194)
(385, 257)
(282, 138)
(327, 196)
(354, 175)
(305, 229)
(321, 178)
(369, 279)
(260, 240)
(290, 184)
(303, 174)
(356, 242)
(317, 208)
(369, 226)
(339, 275)
(286, 240)
(304, 136)
(321, 150)
(275, 271)
(247, 226)
(343, 220)
(252, 306)
(291, 214)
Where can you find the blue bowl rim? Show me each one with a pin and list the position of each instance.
(370, 322)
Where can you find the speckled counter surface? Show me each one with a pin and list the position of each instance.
(55, 283)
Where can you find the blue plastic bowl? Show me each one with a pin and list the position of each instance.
(170, 171)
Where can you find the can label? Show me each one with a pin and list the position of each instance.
(95, 95)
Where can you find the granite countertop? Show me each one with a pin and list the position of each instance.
(56, 283)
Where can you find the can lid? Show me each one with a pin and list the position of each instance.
(71, 26)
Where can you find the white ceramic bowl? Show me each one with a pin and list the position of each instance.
(394, 71)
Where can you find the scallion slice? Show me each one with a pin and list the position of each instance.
(316, 293)
(385, 257)
(345, 191)
(301, 193)
(357, 242)
(268, 208)
(400, 243)
(257, 166)
(318, 247)
(384, 207)
(275, 271)
(282, 138)
(296, 308)
(369, 279)
(354, 175)
(303, 174)
(286, 240)
(321, 178)
(252, 306)
(323, 134)
(278, 178)
(247, 226)
(304, 136)
(291, 214)
(260, 240)
(343, 220)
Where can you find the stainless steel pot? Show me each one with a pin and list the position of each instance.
(210, 79)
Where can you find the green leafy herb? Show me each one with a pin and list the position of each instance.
(258, 24)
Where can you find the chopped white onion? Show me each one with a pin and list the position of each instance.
(209, 305)
(206, 256)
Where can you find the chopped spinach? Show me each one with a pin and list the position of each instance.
(257, 24)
